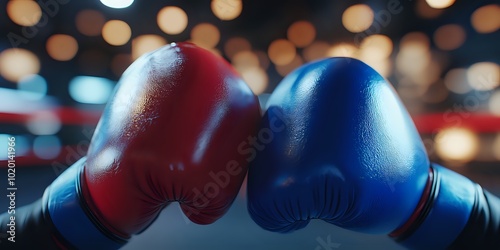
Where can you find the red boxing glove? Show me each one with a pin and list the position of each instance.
(170, 133)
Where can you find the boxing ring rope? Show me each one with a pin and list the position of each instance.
(427, 124)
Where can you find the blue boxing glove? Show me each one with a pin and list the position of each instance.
(341, 147)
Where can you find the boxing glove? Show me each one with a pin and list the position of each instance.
(338, 145)
(170, 133)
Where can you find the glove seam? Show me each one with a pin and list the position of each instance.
(86, 209)
(423, 208)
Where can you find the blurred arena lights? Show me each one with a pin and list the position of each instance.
(484, 75)
(91, 89)
(430, 52)
(281, 51)
(46, 146)
(116, 32)
(32, 87)
(24, 13)
(146, 43)
(205, 35)
(440, 4)
(358, 18)
(316, 50)
(496, 147)
(486, 19)
(22, 102)
(244, 60)
(4, 146)
(264, 61)
(256, 78)
(457, 145)
(226, 9)
(235, 45)
(117, 4)
(172, 20)
(22, 146)
(44, 123)
(494, 103)
(343, 50)
(376, 46)
(62, 47)
(90, 22)
(456, 81)
(301, 33)
(15, 63)
(425, 11)
(449, 37)
(283, 70)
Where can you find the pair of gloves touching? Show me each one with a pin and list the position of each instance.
(335, 143)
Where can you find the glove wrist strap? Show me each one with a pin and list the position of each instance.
(449, 209)
(70, 215)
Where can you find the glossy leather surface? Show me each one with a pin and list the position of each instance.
(343, 149)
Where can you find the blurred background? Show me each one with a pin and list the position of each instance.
(60, 60)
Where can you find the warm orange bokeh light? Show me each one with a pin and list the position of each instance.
(62, 47)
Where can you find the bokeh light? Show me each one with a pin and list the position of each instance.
(317, 50)
(16, 63)
(342, 50)
(146, 43)
(415, 40)
(256, 78)
(382, 66)
(46, 146)
(263, 59)
(281, 51)
(44, 123)
(117, 4)
(456, 81)
(226, 9)
(4, 146)
(32, 87)
(205, 35)
(62, 47)
(376, 47)
(90, 22)
(172, 20)
(457, 144)
(358, 18)
(425, 11)
(449, 37)
(494, 103)
(24, 13)
(235, 45)
(284, 70)
(245, 60)
(414, 54)
(22, 146)
(486, 19)
(116, 32)
(301, 33)
(436, 93)
(484, 75)
(90, 89)
(440, 4)
(496, 147)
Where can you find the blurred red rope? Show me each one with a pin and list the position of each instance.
(66, 115)
(425, 123)
(477, 122)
